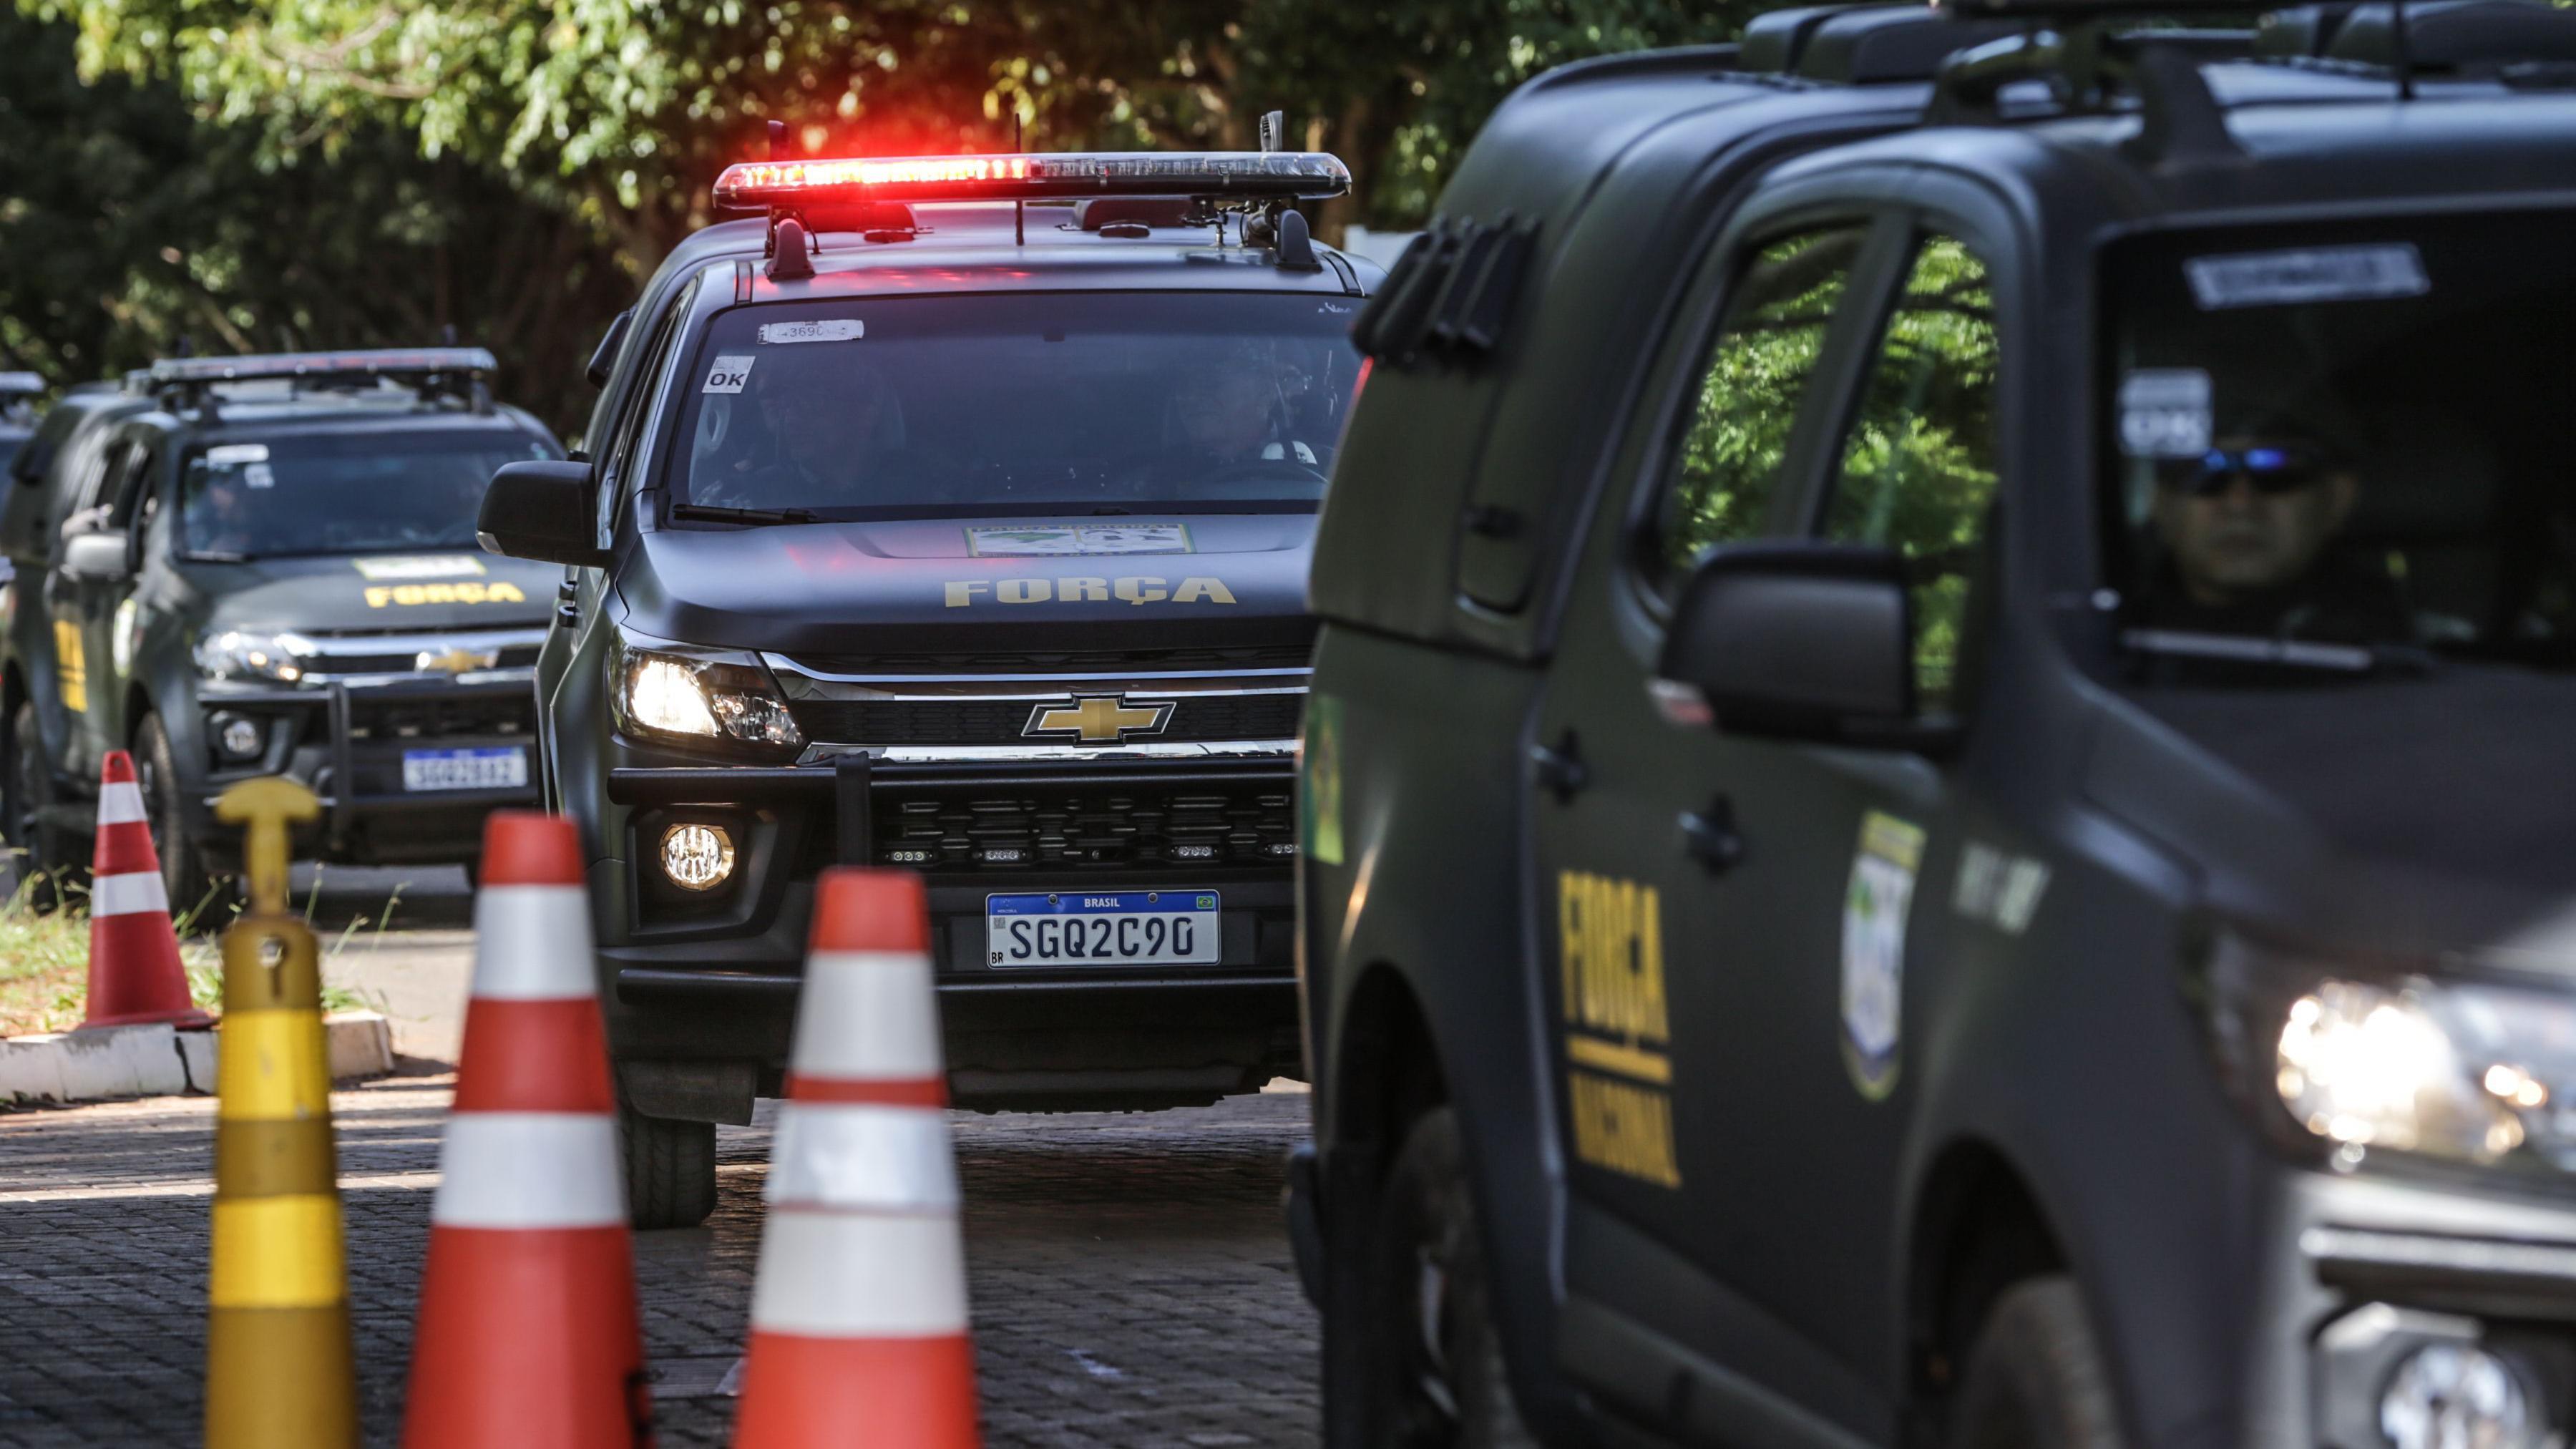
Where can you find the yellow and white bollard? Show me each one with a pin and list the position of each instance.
(280, 1367)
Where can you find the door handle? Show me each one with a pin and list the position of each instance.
(1711, 838)
(1560, 769)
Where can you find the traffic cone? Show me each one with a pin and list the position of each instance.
(528, 1332)
(858, 1316)
(134, 972)
(280, 1369)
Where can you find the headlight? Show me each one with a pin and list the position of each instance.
(2472, 1071)
(677, 692)
(283, 658)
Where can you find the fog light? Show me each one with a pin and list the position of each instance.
(697, 857)
(237, 737)
(2455, 1396)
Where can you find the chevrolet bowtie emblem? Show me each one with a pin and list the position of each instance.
(458, 660)
(1100, 719)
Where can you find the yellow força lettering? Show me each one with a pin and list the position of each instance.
(1611, 939)
(1140, 590)
(441, 594)
(503, 594)
(962, 593)
(1023, 591)
(1082, 591)
(410, 594)
(1212, 590)
(378, 598)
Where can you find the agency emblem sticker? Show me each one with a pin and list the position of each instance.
(1875, 903)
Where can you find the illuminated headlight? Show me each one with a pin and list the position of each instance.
(679, 692)
(2455, 1394)
(237, 737)
(697, 857)
(232, 654)
(2470, 1071)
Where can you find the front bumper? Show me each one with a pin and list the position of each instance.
(716, 977)
(347, 741)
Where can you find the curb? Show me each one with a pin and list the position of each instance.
(161, 1061)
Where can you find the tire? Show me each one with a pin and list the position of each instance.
(196, 897)
(670, 1169)
(43, 852)
(1420, 1316)
(2035, 1378)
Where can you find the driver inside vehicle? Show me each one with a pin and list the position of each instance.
(221, 517)
(829, 435)
(2245, 535)
(1229, 411)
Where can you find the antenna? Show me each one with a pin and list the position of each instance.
(778, 140)
(2400, 42)
(1019, 209)
(1274, 131)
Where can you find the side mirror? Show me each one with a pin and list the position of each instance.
(541, 509)
(1798, 641)
(98, 554)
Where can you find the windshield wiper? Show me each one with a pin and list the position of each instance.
(217, 555)
(717, 513)
(2353, 659)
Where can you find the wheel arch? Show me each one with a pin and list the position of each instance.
(1978, 1228)
(1386, 1066)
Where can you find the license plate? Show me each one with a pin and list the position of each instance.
(501, 769)
(1103, 928)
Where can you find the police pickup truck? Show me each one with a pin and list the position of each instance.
(238, 566)
(952, 514)
(1938, 787)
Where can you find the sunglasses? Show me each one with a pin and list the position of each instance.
(2268, 469)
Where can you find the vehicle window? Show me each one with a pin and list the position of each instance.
(1918, 466)
(2353, 433)
(132, 483)
(343, 492)
(620, 456)
(1737, 434)
(995, 405)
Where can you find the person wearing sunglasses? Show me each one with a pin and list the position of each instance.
(2245, 530)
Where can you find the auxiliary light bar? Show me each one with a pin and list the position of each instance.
(1226, 175)
(378, 362)
(20, 384)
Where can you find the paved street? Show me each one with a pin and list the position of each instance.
(1131, 1284)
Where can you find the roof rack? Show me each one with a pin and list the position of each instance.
(461, 371)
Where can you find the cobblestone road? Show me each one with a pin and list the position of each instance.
(1131, 1283)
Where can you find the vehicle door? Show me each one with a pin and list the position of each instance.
(1731, 912)
(90, 578)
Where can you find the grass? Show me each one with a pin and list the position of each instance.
(44, 958)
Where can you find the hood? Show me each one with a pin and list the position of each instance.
(2426, 816)
(376, 593)
(1024, 584)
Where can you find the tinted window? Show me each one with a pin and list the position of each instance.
(1757, 372)
(1018, 403)
(348, 492)
(1918, 467)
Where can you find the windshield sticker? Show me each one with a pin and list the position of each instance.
(411, 595)
(259, 475)
(1874, 907)
(1050, 542)
(2317, 274)
(233, 455)
(1998, 887)
(2165, 413)
(1134, 589)
(1618, 1029)
(420, 566)
(729, 374)
(838, 331)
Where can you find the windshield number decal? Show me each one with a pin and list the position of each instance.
(2165, 413)
(424, 566)
(729, 373)
(841, 330)
(2317, 274)
(1135, 589)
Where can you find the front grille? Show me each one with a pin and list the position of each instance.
(432, 718)
(1088, 661)
(348, 661)
(1003, 722)
(1071, 827)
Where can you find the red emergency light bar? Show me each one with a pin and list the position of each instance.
(1218, 175)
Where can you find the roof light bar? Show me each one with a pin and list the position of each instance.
(381, 362)
(1228, 175)
(20, 384)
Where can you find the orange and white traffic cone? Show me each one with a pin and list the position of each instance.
(134, 971)
(858, 1316)
(528, 1331)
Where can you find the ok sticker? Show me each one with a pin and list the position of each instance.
(728, 374)
(2165, 413)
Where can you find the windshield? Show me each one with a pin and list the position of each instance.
(2354, 437)
(1020, 403)
(343, 492)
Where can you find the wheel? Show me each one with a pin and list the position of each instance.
(195, 894)
(2035, 1378)
(670, 1169)
(44, 851)
(1417, 1329)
